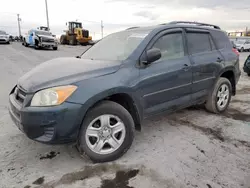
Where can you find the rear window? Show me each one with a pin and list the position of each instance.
(221, 39)
(198, 42)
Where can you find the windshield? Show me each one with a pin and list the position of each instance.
(43, 33)
(2, 33)
(117, 46)
(240, 42)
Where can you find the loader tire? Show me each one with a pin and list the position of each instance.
(63, 39)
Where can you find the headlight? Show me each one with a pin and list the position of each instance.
(52, 96)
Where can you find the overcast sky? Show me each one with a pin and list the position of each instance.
(120, 14)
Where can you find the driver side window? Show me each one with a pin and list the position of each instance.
(170, 45)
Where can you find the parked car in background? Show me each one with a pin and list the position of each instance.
(242, 45)
(40, 39)
(246, 67)
(98, 99)
(4, 37)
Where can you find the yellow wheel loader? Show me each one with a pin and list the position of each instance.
(76, 35)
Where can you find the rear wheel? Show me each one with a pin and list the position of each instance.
(220, 97)
(242, 49)
(107, 132)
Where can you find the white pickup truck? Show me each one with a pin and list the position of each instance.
(40, 39)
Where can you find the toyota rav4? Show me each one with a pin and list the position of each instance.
(98, 99)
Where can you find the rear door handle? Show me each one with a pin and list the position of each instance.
(186, 67)
(219, 60)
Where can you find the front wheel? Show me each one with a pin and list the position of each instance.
(242, 49)
(107, 132)
(55, 48)
(25, 43)
(220, 97)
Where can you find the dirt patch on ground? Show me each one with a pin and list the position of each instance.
(214, 133)
(39, 181)
(123, 175)
(245, 90)
(121, 179)
(49, 155)
(237, 115)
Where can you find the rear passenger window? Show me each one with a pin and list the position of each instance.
(212, 43)
(198, 42)
(171, 46)
(221, 40)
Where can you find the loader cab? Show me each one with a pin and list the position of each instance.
(74, 25)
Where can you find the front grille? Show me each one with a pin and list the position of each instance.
(2, 40)
(48, 40)
(19, 95)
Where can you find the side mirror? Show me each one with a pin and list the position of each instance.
(152, 55)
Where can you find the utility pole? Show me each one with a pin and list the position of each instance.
(19, 27)
(47, 14)
(102, 28)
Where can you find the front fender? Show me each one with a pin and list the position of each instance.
(89, 99)
(93, 90)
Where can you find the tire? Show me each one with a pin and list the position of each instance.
(212, 100)
(103, 109)
(8, 42)
(248, 74)
(36, 45)
(72, 41)
(25, 43)
(242, 49)
(54, 48)
(63, 39)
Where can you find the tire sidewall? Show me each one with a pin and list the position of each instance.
(220, 82)
(124, 116)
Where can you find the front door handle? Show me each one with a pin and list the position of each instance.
(219, 60)
(186, 67)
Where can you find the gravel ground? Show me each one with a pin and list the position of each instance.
(191, 148)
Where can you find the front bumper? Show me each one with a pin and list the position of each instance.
(47, 44)
(51, 125)
(4, 40)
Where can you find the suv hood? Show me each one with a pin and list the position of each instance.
(63, 71)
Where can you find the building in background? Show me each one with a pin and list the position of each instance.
(239, 33)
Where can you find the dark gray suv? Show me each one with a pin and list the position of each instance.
(98, 99)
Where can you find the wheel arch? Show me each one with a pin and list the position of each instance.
(120, 96)
(229, 73)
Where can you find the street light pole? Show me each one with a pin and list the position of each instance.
(102, 28)
(19, 27)
(47, 14)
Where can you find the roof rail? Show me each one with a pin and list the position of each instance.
(195, 23)
(132, 28)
